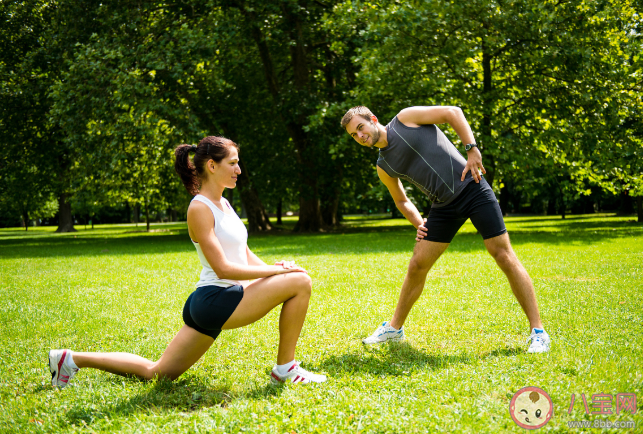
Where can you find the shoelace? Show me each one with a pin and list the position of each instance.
(535, 338)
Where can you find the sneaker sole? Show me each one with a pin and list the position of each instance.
(276, 382)
(383, 342)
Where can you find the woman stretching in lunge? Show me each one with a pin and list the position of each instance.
(224, 299)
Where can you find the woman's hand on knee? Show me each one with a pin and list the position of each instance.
(290, 266)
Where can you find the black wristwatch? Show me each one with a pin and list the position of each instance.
(472, 145)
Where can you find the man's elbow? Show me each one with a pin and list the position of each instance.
(454, 113)
(402, 204)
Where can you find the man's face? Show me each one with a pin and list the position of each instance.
(364, 131)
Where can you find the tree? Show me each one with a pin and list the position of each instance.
(37, 37)
(532, 77)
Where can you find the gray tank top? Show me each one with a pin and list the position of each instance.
(426, 158)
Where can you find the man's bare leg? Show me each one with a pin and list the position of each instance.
(500, 249)
(424, 256)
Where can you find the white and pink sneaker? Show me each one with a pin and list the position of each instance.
(61, 370)
(296, 374)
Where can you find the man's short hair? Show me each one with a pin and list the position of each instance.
(360, 110)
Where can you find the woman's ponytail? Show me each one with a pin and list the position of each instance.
(186, 170)
(210, 148)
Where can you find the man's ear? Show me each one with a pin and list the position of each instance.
(374, 119)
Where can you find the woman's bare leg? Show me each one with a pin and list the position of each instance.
(263, 295)
(185, 350)
(187, 347)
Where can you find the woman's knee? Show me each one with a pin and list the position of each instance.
(151, 371)
(301, 282)
(154, 370)
(306, 283)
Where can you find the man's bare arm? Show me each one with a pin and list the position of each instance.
(402, 202)
(425, 115)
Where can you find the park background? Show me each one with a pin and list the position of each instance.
(94, 97)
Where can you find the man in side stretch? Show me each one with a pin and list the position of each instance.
(412, 147)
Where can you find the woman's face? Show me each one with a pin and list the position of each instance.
(225, 173)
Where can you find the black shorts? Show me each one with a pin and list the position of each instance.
(209, 307)
(476, 202)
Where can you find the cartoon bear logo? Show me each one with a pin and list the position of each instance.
(531, 408)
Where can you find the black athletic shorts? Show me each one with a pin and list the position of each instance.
(209, 307)
(476, 202)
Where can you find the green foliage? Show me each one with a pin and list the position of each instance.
(98, 94)
(117, 290)
(550, 88)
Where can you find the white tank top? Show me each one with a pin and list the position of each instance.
(233, 236)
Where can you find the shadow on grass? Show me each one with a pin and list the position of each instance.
(44, 247)
(184, 395)
(400, 359)
(388, 239)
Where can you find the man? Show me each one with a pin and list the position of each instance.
(412, 147)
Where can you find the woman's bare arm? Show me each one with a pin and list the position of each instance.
(201, 227)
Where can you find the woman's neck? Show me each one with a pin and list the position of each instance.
(212, 192)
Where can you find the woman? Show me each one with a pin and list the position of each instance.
(224, 297)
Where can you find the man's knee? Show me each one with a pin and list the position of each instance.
(505, 257)
(419, 265)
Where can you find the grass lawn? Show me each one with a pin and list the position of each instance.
(117, 289)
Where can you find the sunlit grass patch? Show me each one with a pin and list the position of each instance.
(115, 288)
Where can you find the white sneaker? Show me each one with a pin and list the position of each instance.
(540, 342)
(296, 374)
(61, 373)
(385, 333)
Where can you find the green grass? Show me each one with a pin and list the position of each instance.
(116, 289)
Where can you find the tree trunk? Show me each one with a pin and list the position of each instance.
(257, 217)
(330, 206)
(639, 208)
(310, 218)
(279, 204)
(25, 219)
(551, 206)
(330, 211)
(563, 207)
(65, 219)
(147, 214)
